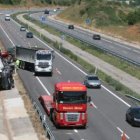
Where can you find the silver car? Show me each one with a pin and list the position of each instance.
(92, 81)
(22, 28)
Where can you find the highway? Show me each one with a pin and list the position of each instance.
(106, 120)
(124, 51)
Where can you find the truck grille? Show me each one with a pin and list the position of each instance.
(72, 117)
(43, 64)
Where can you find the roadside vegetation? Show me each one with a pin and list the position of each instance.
(109, 17)
(116, 85)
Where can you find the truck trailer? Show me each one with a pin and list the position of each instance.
(68, 105)
(39, 60)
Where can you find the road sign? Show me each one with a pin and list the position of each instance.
(88, 21)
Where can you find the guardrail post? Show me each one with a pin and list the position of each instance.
(44, 118)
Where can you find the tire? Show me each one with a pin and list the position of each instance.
(84, 126)
(36, 74)
(51, 73)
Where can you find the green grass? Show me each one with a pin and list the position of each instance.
(116, 85)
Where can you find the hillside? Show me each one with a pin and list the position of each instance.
(110, 17)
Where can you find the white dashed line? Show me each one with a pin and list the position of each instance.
(75, 130)
(123, 132)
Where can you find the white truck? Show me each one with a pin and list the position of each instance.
(39, 60)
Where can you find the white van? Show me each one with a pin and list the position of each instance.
(7, 17)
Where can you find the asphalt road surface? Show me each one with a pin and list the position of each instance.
(124, 51)
(106, 120)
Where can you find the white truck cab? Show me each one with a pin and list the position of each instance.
(43, 61)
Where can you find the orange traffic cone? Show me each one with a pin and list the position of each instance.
(123, 136)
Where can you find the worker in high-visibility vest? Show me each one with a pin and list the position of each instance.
(17, 64)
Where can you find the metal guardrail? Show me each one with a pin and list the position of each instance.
(132, 97)
(43, 121)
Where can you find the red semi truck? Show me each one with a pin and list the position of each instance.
(68, 106)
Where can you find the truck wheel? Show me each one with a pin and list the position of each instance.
(83, 127)
(51, 73)
(57, 126)
(35, 74)
(8, 85)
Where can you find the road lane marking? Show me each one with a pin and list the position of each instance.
(123, 132)
(78, 68)
(43, 86)
(75, 130)
(7, 35)
(116, 96)
(92, 104)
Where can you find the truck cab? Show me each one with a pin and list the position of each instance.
(43, 61)
(68, 106)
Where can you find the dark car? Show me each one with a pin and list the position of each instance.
(22, 28)
(133, 116)
(46, 12)
(92, 81)
(29, 35)
(70, 26)
(96, 37)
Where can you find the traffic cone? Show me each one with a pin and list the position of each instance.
(123, 137)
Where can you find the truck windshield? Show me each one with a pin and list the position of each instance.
(72, 97)
(43, 56)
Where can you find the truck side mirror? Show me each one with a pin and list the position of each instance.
(88, 99)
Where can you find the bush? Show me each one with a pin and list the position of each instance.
(133, 17)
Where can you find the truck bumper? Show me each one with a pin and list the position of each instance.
(43, 70)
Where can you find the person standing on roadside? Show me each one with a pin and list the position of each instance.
(17, 64)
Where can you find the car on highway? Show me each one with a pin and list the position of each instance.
(7, 17)
(92, 81)
(133, 116)
(46, 11)
(96, 37)
(29, 35)
(70, 26)
(22, 28)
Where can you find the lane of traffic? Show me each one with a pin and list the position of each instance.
(125, 53)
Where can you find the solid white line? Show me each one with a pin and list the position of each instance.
(80, 69)
(107, 40)
(116, 96)
(75, 130)
(123, 132)
(7, 35)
